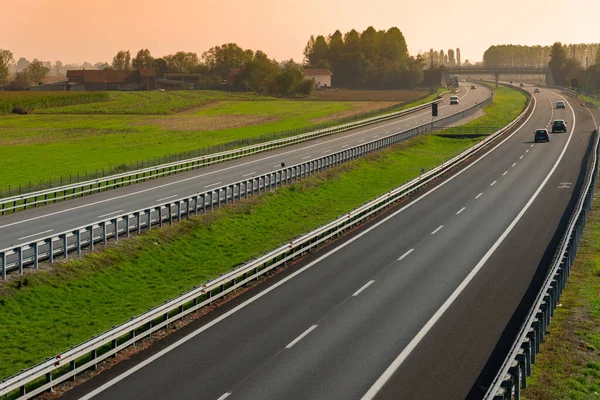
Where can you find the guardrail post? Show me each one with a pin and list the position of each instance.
(3, 265)
(160, 219)
(36, 255)
(90, 230)
(19, 252)
(218, 198)
(115, 223)
(148, 219)
(127, 225)
(65, 245)
(211, 194)
(104, 236)
(78, 241)
(50, 250)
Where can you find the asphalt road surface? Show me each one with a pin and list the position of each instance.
(25, 226)
(409, 307)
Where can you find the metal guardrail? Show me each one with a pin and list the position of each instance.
(33, 199)
(60, 244)
(64, 366)
(512, 376)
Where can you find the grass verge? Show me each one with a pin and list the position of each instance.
(568, 366)
(44, 313)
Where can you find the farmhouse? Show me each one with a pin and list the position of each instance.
(231, 76)
(110, 79)
(321, 77)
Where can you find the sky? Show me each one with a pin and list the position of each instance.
(77, 31)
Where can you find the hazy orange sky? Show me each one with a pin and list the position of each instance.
(77, 31)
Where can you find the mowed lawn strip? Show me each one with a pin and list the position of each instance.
(36, 148)
(46, 313)
(568, 366)
(507, 105)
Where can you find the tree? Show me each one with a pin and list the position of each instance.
(558, 59)
(458, 60)
(160, 65)
(182, 62)
(451, 59)
(21, 64)
(6, 60)
(442, 58)
(22, 80)
(58, 65)
(122, 61)
(143, 59)
(316, 52)
(102, 65)
(37, 71)
(259, 74)
(220, 59)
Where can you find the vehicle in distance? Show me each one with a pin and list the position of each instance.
(541, 135)
(560, 104)
(473, 87)
(521, 84)
(453, 100)
(536, 90)
(559, 126)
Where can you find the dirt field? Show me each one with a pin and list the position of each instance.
(394, 96)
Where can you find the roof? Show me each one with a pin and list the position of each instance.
(110, 75)
(315, 72)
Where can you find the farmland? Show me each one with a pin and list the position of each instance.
(69, 141)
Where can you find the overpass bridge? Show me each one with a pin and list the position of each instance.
(497, 71)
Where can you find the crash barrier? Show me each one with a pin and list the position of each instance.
(512, 376)
(79, 189)
(88, 355)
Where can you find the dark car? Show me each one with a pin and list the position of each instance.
(541, 135)
(559, 126)
(560, 104)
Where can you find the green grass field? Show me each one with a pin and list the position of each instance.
(52, 311)
(44, 147)
(568, 366)
(44, 313)
(506, 106)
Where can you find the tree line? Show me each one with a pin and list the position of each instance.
(436, 59)
(371, 59)
(566, 65)
(31, 73)
(539, 56)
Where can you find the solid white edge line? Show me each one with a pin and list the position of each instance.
(359, 291)
(372, 392)
(293, 275)
(437, 229)
(299, 338)
(226, 395)
(403, 256)
(35, 234)
(110, 213)
(461, 210)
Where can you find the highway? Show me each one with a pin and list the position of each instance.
(410, 306)
(26, 226)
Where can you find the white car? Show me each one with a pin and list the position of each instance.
(560, 104)
(536, 90)
(453, 100)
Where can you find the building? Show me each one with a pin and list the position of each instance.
(231, 76)
(321, 77)
(110, 79)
